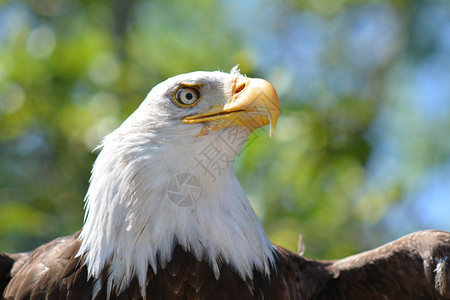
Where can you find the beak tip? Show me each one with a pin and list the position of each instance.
(272, 129)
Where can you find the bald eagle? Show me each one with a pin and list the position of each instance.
(166, 217)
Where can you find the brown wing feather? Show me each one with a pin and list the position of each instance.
(6, 264)
(9, 266)
(299, 277)
(51, 272)
(416, 266)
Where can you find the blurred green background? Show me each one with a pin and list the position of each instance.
(361, 153)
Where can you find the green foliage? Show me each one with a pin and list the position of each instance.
(71, 71)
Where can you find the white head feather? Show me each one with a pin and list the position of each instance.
(132, 220)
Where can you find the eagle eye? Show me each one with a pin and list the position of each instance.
(186, 97)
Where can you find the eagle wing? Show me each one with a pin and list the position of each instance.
(416, 266)
(47, 273)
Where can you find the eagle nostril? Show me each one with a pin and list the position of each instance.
(240, 88)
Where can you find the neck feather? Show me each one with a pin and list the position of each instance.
(137, 211)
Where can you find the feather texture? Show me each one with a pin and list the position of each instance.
(413, 267)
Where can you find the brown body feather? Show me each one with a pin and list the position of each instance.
(416, 266)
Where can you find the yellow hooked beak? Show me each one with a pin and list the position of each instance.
(253, 104)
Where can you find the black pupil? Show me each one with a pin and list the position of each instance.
(189, 96)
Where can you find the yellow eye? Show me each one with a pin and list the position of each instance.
(186, 97)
